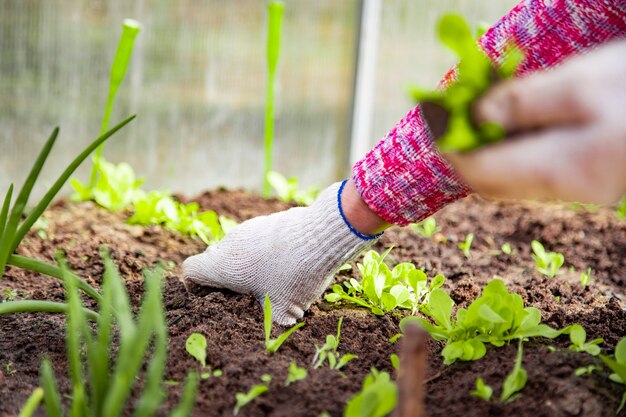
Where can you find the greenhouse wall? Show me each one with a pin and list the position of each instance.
(197, 84)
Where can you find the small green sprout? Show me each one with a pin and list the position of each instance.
(466, 245)
(482, 390)
(426, 228)
(547, 263)
(578, 337)
(10, 295)
(244, 399)
(41, 226)
(196, 347)
(295, 374)
(395, 361)
(587, 370)
(620, 211)
(496, 317)
(328, 351)
(516, 380)
(506, 248)
(288, 189)
(618, 366)
(586, 278)
(272, 345)
(382, 289)
(377, 398)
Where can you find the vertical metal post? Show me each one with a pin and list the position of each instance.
(365, 78)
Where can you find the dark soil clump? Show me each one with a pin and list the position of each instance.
(233, 323)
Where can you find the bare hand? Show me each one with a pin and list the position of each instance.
(569, 127)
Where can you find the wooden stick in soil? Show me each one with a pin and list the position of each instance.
(412, 372)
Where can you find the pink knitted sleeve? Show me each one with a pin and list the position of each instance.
(404, 179)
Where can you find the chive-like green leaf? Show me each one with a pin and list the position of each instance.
(188, 400)
(45, 268)
(34, 306)
(32, 404)
(54, 189)
(52, 399)
(5, 209)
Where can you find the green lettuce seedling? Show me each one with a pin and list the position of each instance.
(395, 361)
(115, 188)
(547, 263)
(475, 74)
(295, 374)
(328, 351)
(426, 228)
(272, 345)
(196, 347)
(482, 390)
(288, 189)
(586, 278)
(578, 337)
(382, 289)
(587, 370)
(516, 380)
(466, 245)
(245, 398)
(377, 398)
(496, 317)
(618, 365)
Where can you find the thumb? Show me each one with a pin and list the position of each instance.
(539, 100)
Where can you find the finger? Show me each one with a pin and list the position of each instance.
(546, 166)
(541, 99)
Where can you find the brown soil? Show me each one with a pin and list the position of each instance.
(233, 323)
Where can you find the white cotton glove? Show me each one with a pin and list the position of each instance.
(291, 255)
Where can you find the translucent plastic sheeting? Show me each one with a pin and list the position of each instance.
(196, 81)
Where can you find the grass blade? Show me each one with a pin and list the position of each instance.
(5, 209)
(75, 324)
(188, 400)
(37, 306)
(6, 242)
(32, 404)
(99, 354)
(45, 268)
(52, 192)
(51, 397)
(133, 348)
(275, 344)
(153, 395)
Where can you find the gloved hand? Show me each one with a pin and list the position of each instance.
(571, 133)
(291, 255)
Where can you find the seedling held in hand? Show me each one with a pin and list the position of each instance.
(475, 74)
(547, 263)
(295, 374)
(272, 345)
(244, 399)
(328, 351)
(466, 245)
(196, 347)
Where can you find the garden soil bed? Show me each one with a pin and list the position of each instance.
(233, 323)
